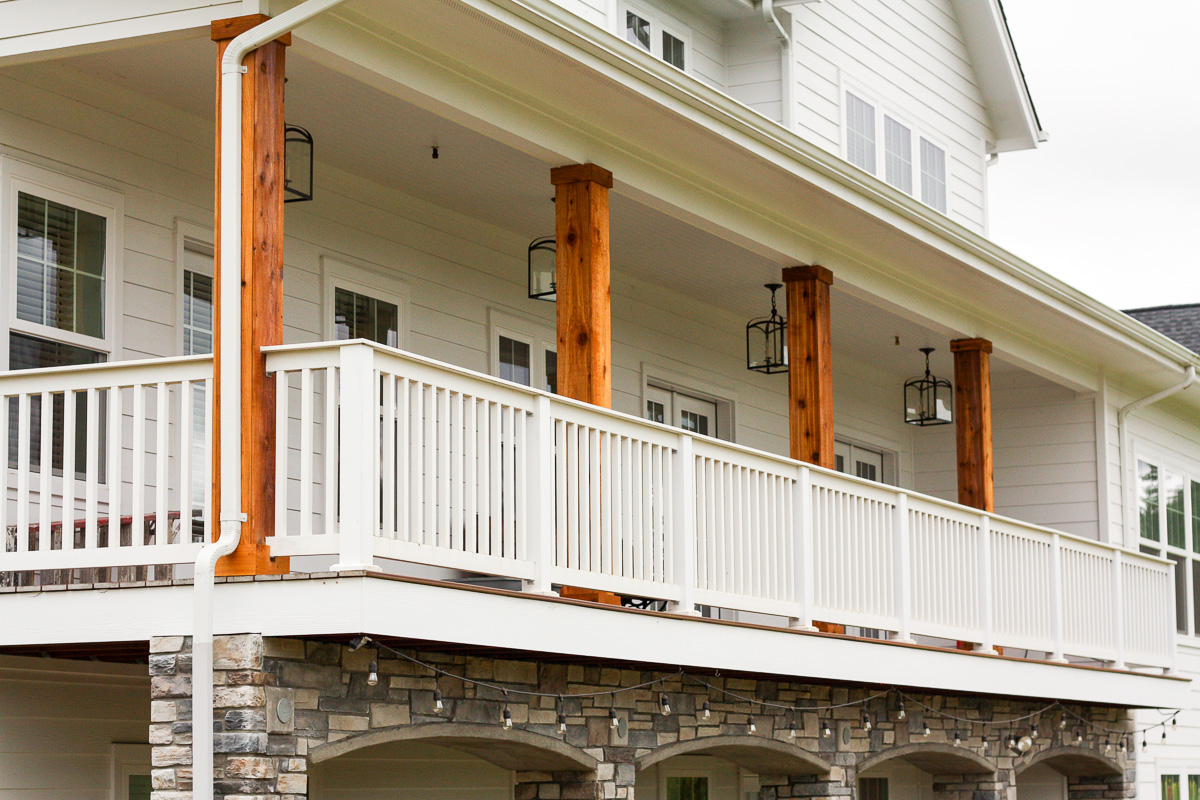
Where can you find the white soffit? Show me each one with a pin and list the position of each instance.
(1014, 119)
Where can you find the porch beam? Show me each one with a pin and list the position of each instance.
(582, 275)
(973, 422)
(810, 364)
(262, 291)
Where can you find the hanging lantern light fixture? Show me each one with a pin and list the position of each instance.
(297, 164)
(766, 340)
(543, 257)
(928, 400)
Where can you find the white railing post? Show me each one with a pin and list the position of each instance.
(684, 516)
(901, 558)
(1056, 598)
(1118, 609)
(541, 494)
(1172, 623)
(801, 530)
(987, 642)
(358, 458)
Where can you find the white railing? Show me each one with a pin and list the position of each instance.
(106, 469)
(436, 465)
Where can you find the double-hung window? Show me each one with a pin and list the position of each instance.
(196, 310)
(884, 143)
(58, 254)
(657, 36)
(364, 304)
(1168, 501)
(523, 351)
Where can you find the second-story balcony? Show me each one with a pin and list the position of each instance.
(395, 463)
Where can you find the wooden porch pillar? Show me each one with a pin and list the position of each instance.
(582, 278)
(973, 422)
(810, 364)
(262, 291)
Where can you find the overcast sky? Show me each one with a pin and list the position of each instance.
(1111, 203)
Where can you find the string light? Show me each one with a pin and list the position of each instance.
(1062, 723)
(826, 731)
(900, 712)
(1164, 736)
(1108, 747)
(613, 720)
(987, 745)
(507, 717)
(373, 673)
(752, 726)
(706, 710)
(957, 739)
(1143, 742)
(664, 704)
(1033, 730)
(438, 705)
(1124, 745)
(866, 722)
(1079, 736)
(792, 728)
(925, 729)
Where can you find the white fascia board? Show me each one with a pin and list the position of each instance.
(994, 58)
(359, 45)
(344, 606)
(53, 30)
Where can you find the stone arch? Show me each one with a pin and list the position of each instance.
(935, 758)
(513, 749)
(1074, 762)
(754, 753)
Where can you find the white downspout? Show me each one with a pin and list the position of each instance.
(786, 65)
(1128, 481)
(231, 516)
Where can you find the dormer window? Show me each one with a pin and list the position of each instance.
(658, 38)
(885, 144)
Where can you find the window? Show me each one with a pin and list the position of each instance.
(1171, 788)
(687, 787)
(131, 772)
(361, 303)
(862, 462)
(648, 32)
(522, 351)
(1168, 500)
(682, 410)
(875, 135)
(872, 789)
(197, 327)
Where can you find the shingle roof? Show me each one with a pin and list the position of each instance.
(1181, 323)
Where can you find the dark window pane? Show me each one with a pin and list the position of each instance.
(637, 30)
(357, 316)
(1196, 605)
(552, 376)
(1176, 524)
(1196, 526)
(28, 352)
(672, 50)
(1148, 500)
(197, 313)
(655, 412)
(687, 788)
(514, 361)
(872, 789)
(1171, 787)
(696, 423)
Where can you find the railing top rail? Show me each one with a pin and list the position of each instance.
(100, 376)
(784, 462)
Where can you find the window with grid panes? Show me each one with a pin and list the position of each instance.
(1169, 526)
(359, 316)
(881, 143)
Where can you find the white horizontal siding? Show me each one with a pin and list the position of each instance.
(913, 57)
(1044, 444)
(59, 721)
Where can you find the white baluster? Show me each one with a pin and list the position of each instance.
(801, 530)
(986, 621)
(1118, 609)
(684, 517)
(1056, 598)
(358, 483)
(540, 496)
(901, 563)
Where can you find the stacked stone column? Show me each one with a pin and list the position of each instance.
(256, 751)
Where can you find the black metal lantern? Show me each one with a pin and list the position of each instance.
(297, 164)
(928, 400)
(766, 340)
(542, 260)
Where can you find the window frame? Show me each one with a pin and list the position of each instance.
(1190, 551)
(665, 773)
(540, 337)
(128, 760)
(917, 130)
(20, 176)
(339, 273)
(660, 23)
(699, 388)
(189, 233)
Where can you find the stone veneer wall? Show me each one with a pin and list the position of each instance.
(262, 752)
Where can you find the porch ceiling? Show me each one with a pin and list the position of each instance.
(363, 131)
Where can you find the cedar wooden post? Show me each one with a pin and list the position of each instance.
(262, 290)
(582, 282)
(810, 364)
(973, 422)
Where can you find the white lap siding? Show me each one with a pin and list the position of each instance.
(59, 721)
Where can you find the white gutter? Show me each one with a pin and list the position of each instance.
(1129, 480)
(786, 64)
(231, 516)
